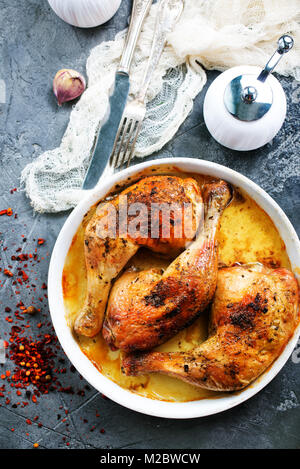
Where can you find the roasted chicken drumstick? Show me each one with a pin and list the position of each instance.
(254, 314)
(147, 308)
(107, 251)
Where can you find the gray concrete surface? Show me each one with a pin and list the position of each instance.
(34, 44)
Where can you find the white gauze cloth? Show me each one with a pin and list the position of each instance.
(217, 34)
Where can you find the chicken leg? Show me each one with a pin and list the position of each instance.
(254, 314)
(108, 246)
(147, 308)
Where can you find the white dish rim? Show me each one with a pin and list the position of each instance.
(175, 410)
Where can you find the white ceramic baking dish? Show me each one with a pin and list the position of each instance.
(180, 410)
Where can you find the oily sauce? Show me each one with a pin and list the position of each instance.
(247, 234)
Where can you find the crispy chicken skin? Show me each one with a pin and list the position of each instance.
(254, 314)
(147, 308)
(106, 255)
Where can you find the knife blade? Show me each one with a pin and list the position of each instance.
(106, 137)
(108, 131)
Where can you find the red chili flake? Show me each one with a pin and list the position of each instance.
(28, 421)
(40, 241)
(102, 430)
(12, 429)
(22, 257)
(24, 276)
(8, 273)
(7, 211)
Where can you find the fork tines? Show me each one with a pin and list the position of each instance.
(125, 141)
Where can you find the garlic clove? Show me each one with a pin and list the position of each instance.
(68, 85)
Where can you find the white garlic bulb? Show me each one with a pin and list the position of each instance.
(85, 13)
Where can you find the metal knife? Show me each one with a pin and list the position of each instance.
(118, 98)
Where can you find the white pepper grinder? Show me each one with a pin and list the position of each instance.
(245, 106)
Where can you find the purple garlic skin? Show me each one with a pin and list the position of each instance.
(68, 85)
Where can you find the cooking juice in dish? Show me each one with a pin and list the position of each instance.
(246, 235)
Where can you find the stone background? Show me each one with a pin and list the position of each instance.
(34, 45)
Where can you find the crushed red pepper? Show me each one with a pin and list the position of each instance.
(8, 273)
(34, 362)
(7, 211)
(35, 371)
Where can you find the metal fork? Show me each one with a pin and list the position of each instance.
(134, 113)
